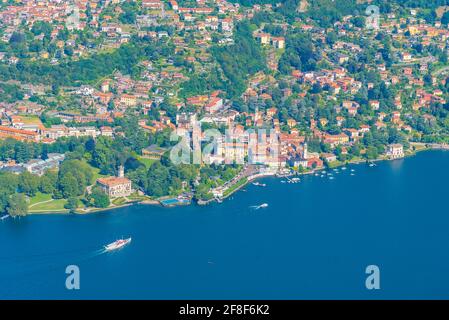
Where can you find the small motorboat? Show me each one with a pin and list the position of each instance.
(4, 217)
(263, 205)
(258, 184)
(117, 244)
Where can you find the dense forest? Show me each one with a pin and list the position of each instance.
(300, 54)
(10, 92)
(69, 182)
(240, 60)
(123, 59)
(237, 61)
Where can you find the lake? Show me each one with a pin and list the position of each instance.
(313, 241)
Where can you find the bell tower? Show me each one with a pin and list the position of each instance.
(121, 171)
(305, 152)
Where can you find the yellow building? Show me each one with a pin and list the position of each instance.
(128, 100)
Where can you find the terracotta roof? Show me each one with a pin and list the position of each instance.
(113, 181)
(18, 131)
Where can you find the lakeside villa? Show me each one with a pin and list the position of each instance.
(395, 151)
(116, 187)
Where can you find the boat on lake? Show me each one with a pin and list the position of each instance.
(263, 205)
(258, 184)
(117, 244)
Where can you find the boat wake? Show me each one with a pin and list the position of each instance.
(97, 253)
(263, 205)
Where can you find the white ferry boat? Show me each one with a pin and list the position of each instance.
(117, 244)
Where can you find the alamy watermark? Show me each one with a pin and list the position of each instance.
(73, 17)
(372, 282)
(72, 281)
(253, 146)
(373, 17)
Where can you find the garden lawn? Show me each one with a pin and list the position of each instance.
(39, 197)
(53, 205)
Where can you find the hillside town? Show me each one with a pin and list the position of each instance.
(116, 89)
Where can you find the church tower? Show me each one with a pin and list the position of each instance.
(256, 114)
(305, 152)
(121, 171)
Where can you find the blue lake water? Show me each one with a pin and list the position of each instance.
(313, 241)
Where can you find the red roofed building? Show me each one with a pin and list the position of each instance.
(18, 134)
(336, 139)
(115, 187)
(197, 100)
(314, 163)
(214, 105)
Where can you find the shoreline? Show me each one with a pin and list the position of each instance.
(426, 147)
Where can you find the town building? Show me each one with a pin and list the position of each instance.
(395, 151)
(39, 166)
(116, 187)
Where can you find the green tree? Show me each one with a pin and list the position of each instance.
(445, 18)
(48, 182)
(68, 186)
(17, 205)
(74, 176)
(372, 153)
(9, 183)
(29, 183)
(72, 204)
(100, 199)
